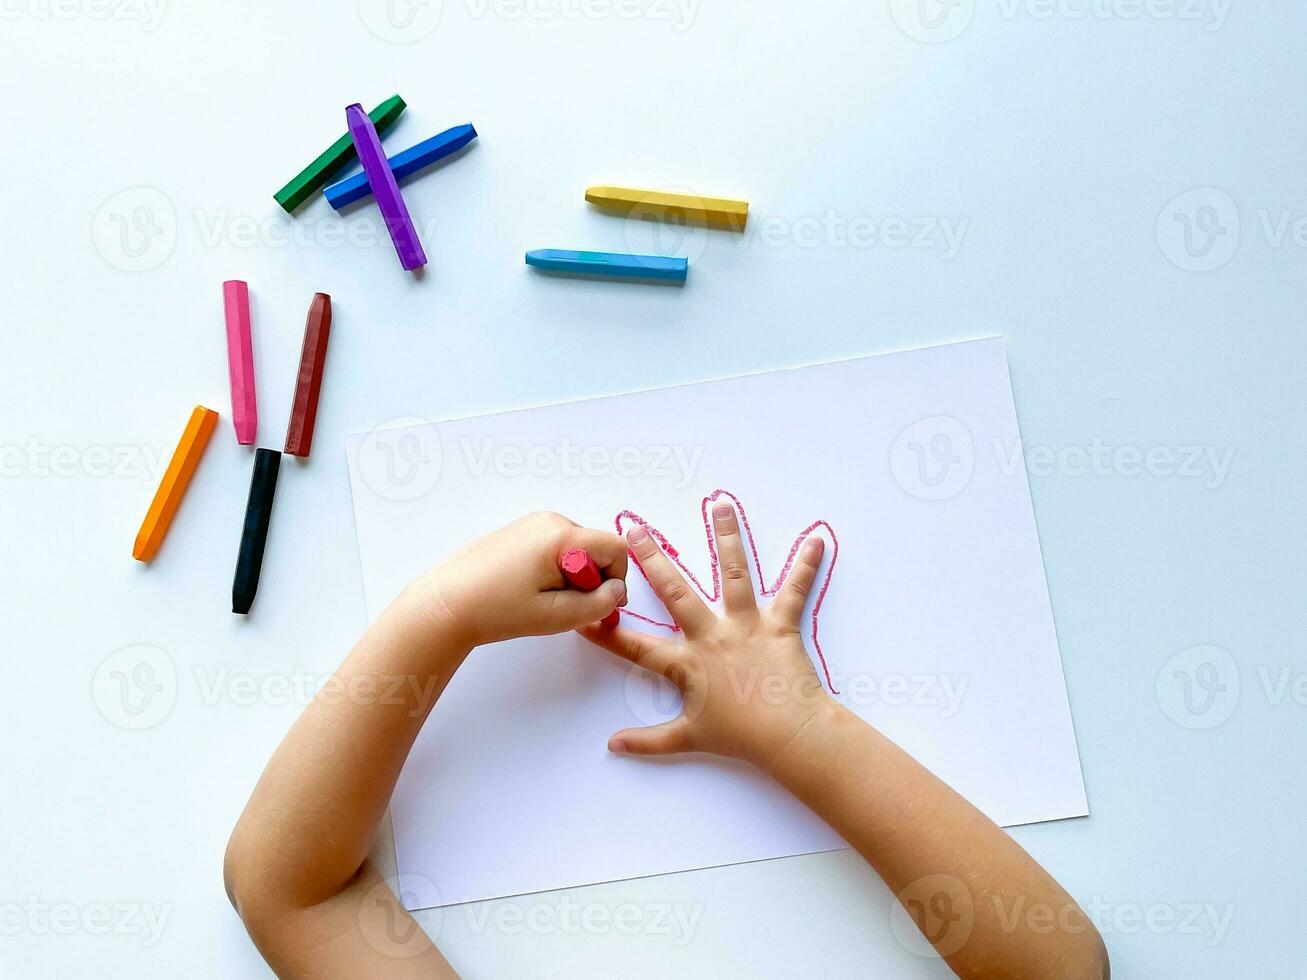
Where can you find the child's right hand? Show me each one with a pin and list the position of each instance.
(747, 684)
(508, 584)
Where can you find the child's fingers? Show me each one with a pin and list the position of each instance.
(689, 612)
(606, 548)
(570, 609)
(789, 602)
(670, 736)
(737, 587)
(650, 652)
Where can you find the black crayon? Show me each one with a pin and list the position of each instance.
(258, 514)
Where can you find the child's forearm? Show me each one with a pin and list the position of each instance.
(965, 880)
(297, 868)
(308, 825)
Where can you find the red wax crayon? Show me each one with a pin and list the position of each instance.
(308, 385)
(581, 572)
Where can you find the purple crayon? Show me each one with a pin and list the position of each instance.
(393, 210)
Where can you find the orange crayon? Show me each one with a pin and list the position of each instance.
(173, 487)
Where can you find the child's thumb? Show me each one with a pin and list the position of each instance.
(670, 736)
(575, 608)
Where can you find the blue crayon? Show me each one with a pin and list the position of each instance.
(610, 264)
(411, 161)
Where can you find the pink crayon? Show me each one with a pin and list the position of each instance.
(240, 360)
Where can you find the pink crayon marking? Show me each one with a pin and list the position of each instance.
(240, 360)
(715, 594)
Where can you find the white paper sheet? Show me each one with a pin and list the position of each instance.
(936, 626)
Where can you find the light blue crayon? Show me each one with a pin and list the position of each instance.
(402, 165)
(610, 264)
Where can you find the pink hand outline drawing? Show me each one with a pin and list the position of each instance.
(628, 518)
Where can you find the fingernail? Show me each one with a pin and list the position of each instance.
(616, 746)
(721, 511)
(619, 587)
(637, 535)
(815, 546)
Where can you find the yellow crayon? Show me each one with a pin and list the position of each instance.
(173, 487)
(717, 212)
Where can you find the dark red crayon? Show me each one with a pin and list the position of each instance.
(581, 572)
(308, 385)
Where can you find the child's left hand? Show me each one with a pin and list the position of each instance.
(508, 583)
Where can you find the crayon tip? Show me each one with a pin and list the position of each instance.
(240, 604)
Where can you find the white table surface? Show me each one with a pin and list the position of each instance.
(1067, 155)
